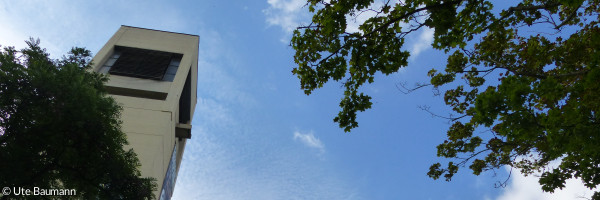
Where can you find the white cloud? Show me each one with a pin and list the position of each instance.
(287, 14)
(352, 23)
(309, 140)
(527, 188)
(423, 42)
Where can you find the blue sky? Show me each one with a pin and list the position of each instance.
(256, 135)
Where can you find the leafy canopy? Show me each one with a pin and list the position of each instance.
(58, 129)
(538, 94)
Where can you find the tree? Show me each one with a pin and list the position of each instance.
(59, 129)
(537, 94)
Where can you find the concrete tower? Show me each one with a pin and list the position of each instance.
(153, 76)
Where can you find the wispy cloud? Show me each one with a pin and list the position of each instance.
(234, 167)
(309, 140)
(228, 157)
(523, 187)
(62, 24)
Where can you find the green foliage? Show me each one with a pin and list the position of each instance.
(59, 129)
(537, 94)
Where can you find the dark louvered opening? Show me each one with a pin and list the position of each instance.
(142, 63)
(185, 100)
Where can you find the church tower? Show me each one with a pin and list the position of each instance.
(153, 76)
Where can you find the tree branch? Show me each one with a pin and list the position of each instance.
(569, 18)
(511, 10)
(426, 109)
(392, 21)
(402, 87)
